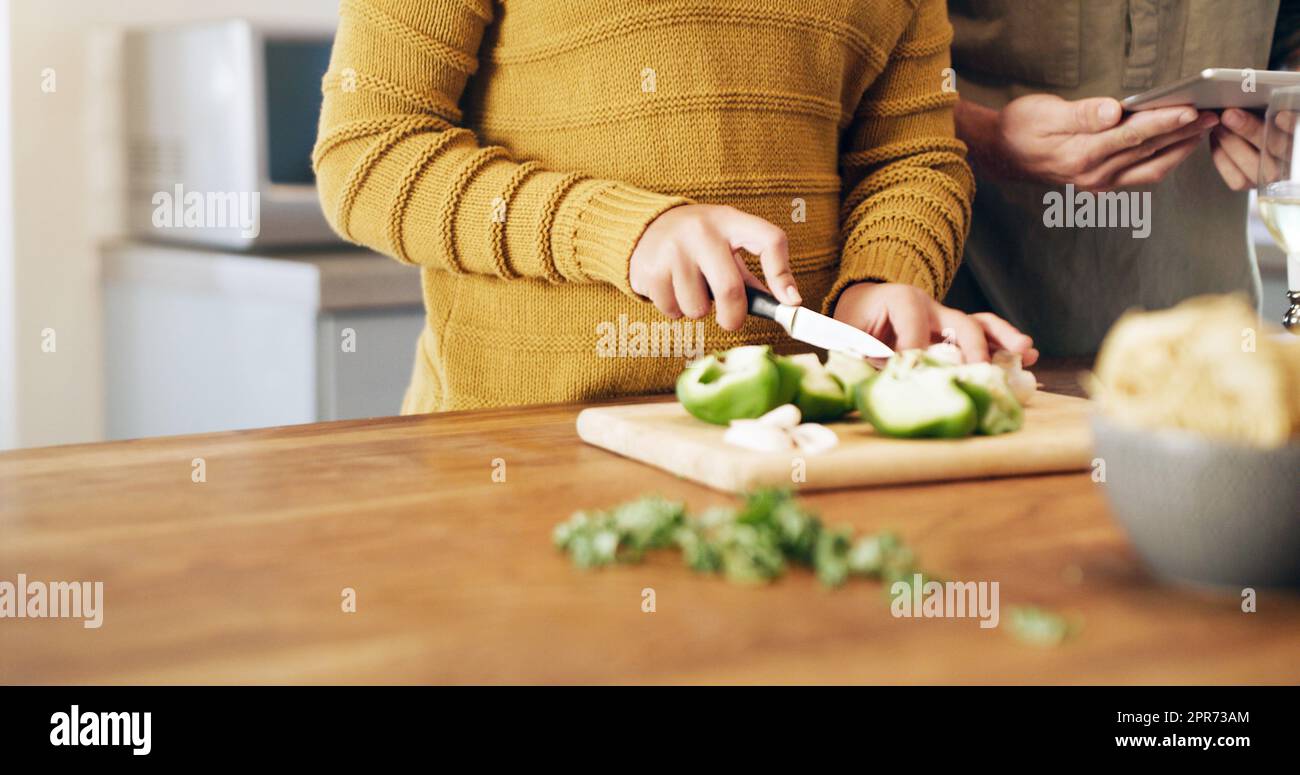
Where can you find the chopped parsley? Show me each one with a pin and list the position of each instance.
(757, 541)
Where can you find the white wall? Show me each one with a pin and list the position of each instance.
(64, 168)
(8, 382)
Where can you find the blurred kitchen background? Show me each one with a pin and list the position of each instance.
(114, 327)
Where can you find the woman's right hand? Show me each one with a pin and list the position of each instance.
(691, 252)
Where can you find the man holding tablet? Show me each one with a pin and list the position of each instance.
(1040, 82)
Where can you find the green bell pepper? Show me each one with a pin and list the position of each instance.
(741, 383)
(909, 399)
(850, 370)
(995, 404)
(791, 375)
(821, 397)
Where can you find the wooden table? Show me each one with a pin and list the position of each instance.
(239, 579)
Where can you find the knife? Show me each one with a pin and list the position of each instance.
(815, 328)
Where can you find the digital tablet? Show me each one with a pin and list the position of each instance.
(1215, 88)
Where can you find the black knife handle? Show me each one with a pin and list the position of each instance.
(762, 305)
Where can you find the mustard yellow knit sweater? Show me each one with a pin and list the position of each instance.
(516, 151)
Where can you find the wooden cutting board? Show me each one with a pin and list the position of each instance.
(1055, 437)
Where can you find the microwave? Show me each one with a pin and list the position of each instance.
(220, 119)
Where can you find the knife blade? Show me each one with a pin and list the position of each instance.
(815, 328)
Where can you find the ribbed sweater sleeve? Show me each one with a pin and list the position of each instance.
(907, 211)
(397, 173)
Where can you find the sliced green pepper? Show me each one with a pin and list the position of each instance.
(911, 400)
(821, 397)
(791, 374)
(741, 383)
(850, 370)
(995, 404)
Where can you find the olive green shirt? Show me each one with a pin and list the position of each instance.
(1066, 285)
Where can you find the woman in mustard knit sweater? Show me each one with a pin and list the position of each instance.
(557, 168)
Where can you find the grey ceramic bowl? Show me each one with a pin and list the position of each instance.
(1205, 511)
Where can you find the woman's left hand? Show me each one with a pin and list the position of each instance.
(904, 317)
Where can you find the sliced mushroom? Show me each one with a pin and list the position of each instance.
(1023, 384)
(785, 417)
(758, 436)
(814, 438)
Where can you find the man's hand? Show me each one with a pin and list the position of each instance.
(904, 317)
(690, 253)
(1089, 143)
(1234, 146)
(1236, 143)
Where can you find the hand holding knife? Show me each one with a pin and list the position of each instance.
(815, 328)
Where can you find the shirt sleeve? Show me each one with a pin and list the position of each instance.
(907, 210)
(397, 172)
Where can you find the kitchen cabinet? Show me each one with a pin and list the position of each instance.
(199, 340)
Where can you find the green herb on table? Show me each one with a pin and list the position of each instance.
(831, 555)
(623, 534)
(756, 542)
(1038, 626)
